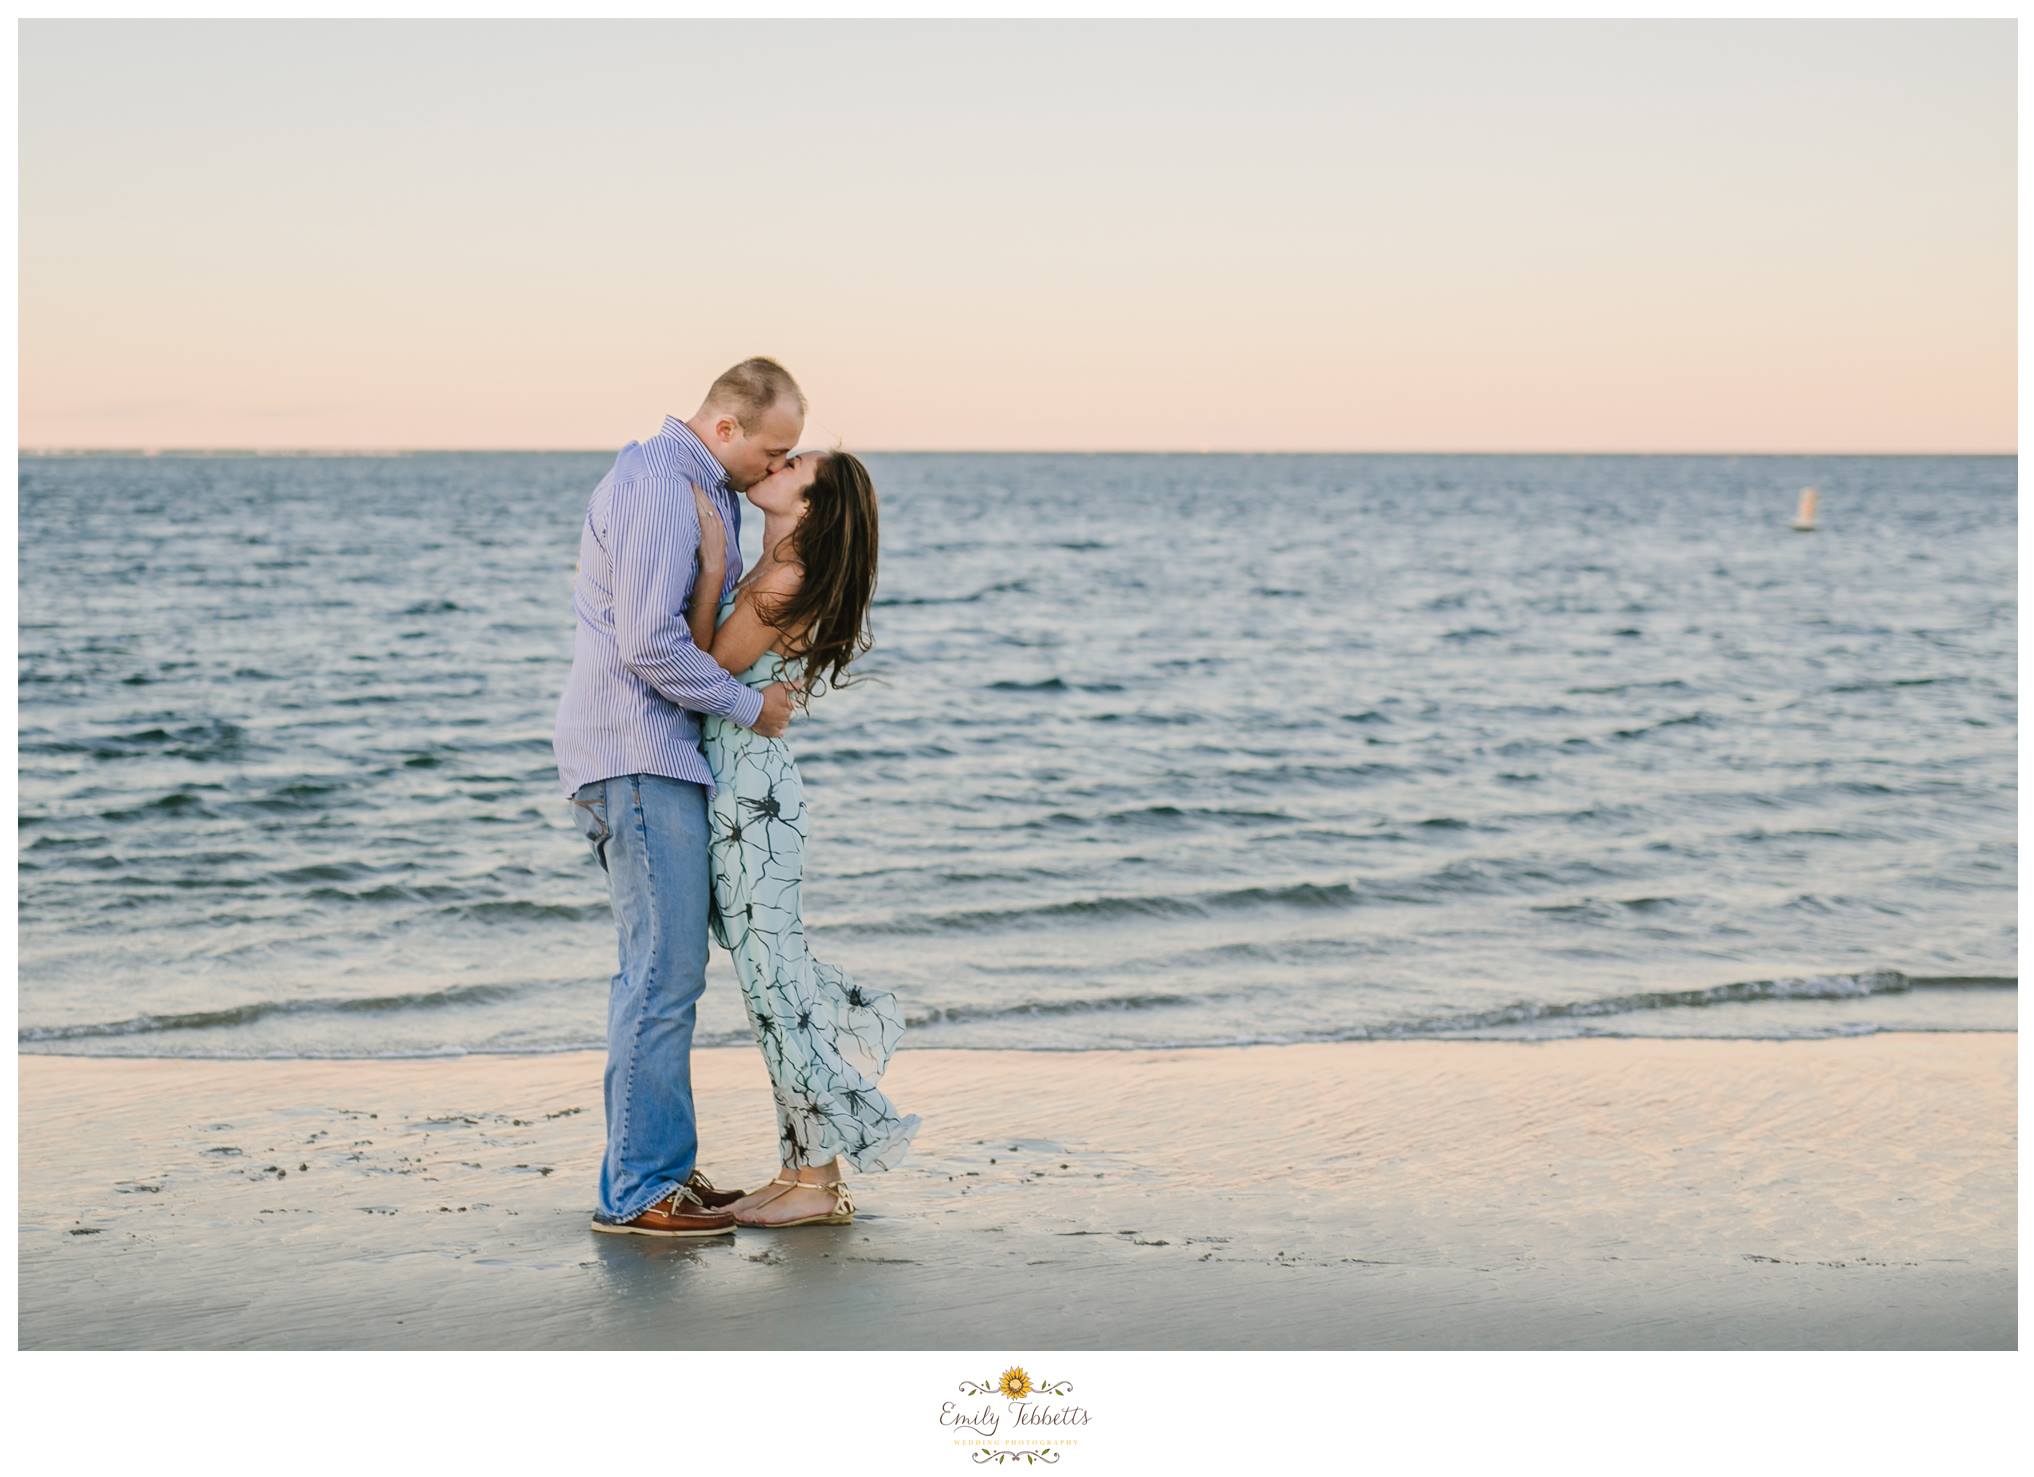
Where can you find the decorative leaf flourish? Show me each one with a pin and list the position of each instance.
(993, 1387)
(1047, 1456)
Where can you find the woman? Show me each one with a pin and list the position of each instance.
(799, 618)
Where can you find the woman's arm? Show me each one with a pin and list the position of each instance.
(704, 611)
(745, 635)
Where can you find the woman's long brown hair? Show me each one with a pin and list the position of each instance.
(836, 543)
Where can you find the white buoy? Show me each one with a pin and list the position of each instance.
(1804, 516)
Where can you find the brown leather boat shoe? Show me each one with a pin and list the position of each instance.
(709, 1197)
(677, 1214)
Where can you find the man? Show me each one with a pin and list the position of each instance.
(627, 743)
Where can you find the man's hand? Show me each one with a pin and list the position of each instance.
(776, 714)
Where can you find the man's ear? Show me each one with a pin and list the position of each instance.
(727, 428)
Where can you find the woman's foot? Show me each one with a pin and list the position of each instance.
(762, 1194)
(819, 1197)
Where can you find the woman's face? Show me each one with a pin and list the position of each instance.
(783, 491)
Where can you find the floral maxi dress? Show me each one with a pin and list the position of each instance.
(824, 1038)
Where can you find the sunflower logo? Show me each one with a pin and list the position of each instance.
(1015, 1383)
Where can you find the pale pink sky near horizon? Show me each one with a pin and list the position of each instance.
(1436, 236)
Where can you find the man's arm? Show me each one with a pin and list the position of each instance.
(653, 538)
(704, 616)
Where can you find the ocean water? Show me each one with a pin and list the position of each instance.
(1152, 750)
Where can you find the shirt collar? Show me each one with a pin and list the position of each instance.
(688, 446)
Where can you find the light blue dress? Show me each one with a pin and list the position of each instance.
(825, 1038)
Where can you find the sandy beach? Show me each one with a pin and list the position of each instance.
(1853, 1193)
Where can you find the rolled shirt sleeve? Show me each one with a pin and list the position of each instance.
(653, 540)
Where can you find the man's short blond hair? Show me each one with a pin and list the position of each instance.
(751, 388)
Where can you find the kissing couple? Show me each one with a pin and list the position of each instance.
(669, 740)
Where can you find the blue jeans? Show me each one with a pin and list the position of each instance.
(649, 834)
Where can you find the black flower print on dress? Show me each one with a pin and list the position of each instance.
(825, 1038)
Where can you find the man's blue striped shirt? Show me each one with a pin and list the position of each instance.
(638, 682)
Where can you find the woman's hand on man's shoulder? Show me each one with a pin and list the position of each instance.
(712, 535)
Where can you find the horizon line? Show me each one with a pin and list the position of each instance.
(160, 451)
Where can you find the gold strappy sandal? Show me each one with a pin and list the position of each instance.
(842, 1214)
(776, 1179)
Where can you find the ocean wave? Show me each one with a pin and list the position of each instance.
(1599, 1014)
(1004, 588)
(1601, 908)
(1888, 684)
(1283, 777)
(1614, 689)
(1791, 987)
(1053, 684)
(1489, 877)
(1150, 815)
(1827, 987)
(295, 799)
(206, 742)
(257, 1010)
(387, 892)
(1684, 720)
(510, 910)
(180, 803)
(866, 754)
(957, 1013)
(1153, 905)
(1466, 877)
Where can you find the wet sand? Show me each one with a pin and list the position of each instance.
(1600, 1194)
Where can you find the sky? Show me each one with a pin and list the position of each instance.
(1220, 236)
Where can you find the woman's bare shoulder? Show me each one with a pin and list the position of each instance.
(779, 578)
(771, 585)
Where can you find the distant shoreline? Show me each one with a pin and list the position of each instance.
(147, 453)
